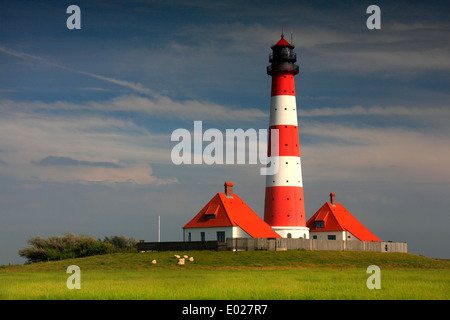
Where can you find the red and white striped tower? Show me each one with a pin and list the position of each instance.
(284, 208)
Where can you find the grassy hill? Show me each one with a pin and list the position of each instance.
(253, 275)
(227, 260)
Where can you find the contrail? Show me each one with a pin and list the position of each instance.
(134, 86)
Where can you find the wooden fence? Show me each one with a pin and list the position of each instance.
(249, 244)
(178, 246)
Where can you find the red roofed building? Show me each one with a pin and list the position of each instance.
(226, 216)
(333, 222)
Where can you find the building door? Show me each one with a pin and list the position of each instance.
(202, 236)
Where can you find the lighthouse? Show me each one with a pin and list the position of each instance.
(284, 208)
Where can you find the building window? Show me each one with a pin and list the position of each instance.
(221, 236)
(331, 237)
(314, 237)
(202, 236)
(319, 224)
(289, 235)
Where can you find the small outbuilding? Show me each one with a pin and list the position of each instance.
(334, 222)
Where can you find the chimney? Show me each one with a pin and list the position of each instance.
(332, 198)
(228, 189)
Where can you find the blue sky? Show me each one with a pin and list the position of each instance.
(86, 115)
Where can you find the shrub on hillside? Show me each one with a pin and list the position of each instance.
(121, 242)
(72, 246)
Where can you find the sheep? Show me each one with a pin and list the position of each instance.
(176, 256)
(153, 261)
(191, 259)
(181, 262)
(185, 256)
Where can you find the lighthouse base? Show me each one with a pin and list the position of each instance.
(292, 232)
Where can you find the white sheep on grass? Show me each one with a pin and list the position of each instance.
(181, 262)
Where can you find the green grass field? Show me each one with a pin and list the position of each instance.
(254, 275)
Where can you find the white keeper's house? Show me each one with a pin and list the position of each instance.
(226, 216)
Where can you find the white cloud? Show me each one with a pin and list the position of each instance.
(33, 131)
(161, 106)
(27, 138)
(127, 84)
(397, 46)
(375, 154)
(377, 111)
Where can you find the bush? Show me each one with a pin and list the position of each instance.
(73, 246)
(33, 254)
(97, 248)
(121, 242)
